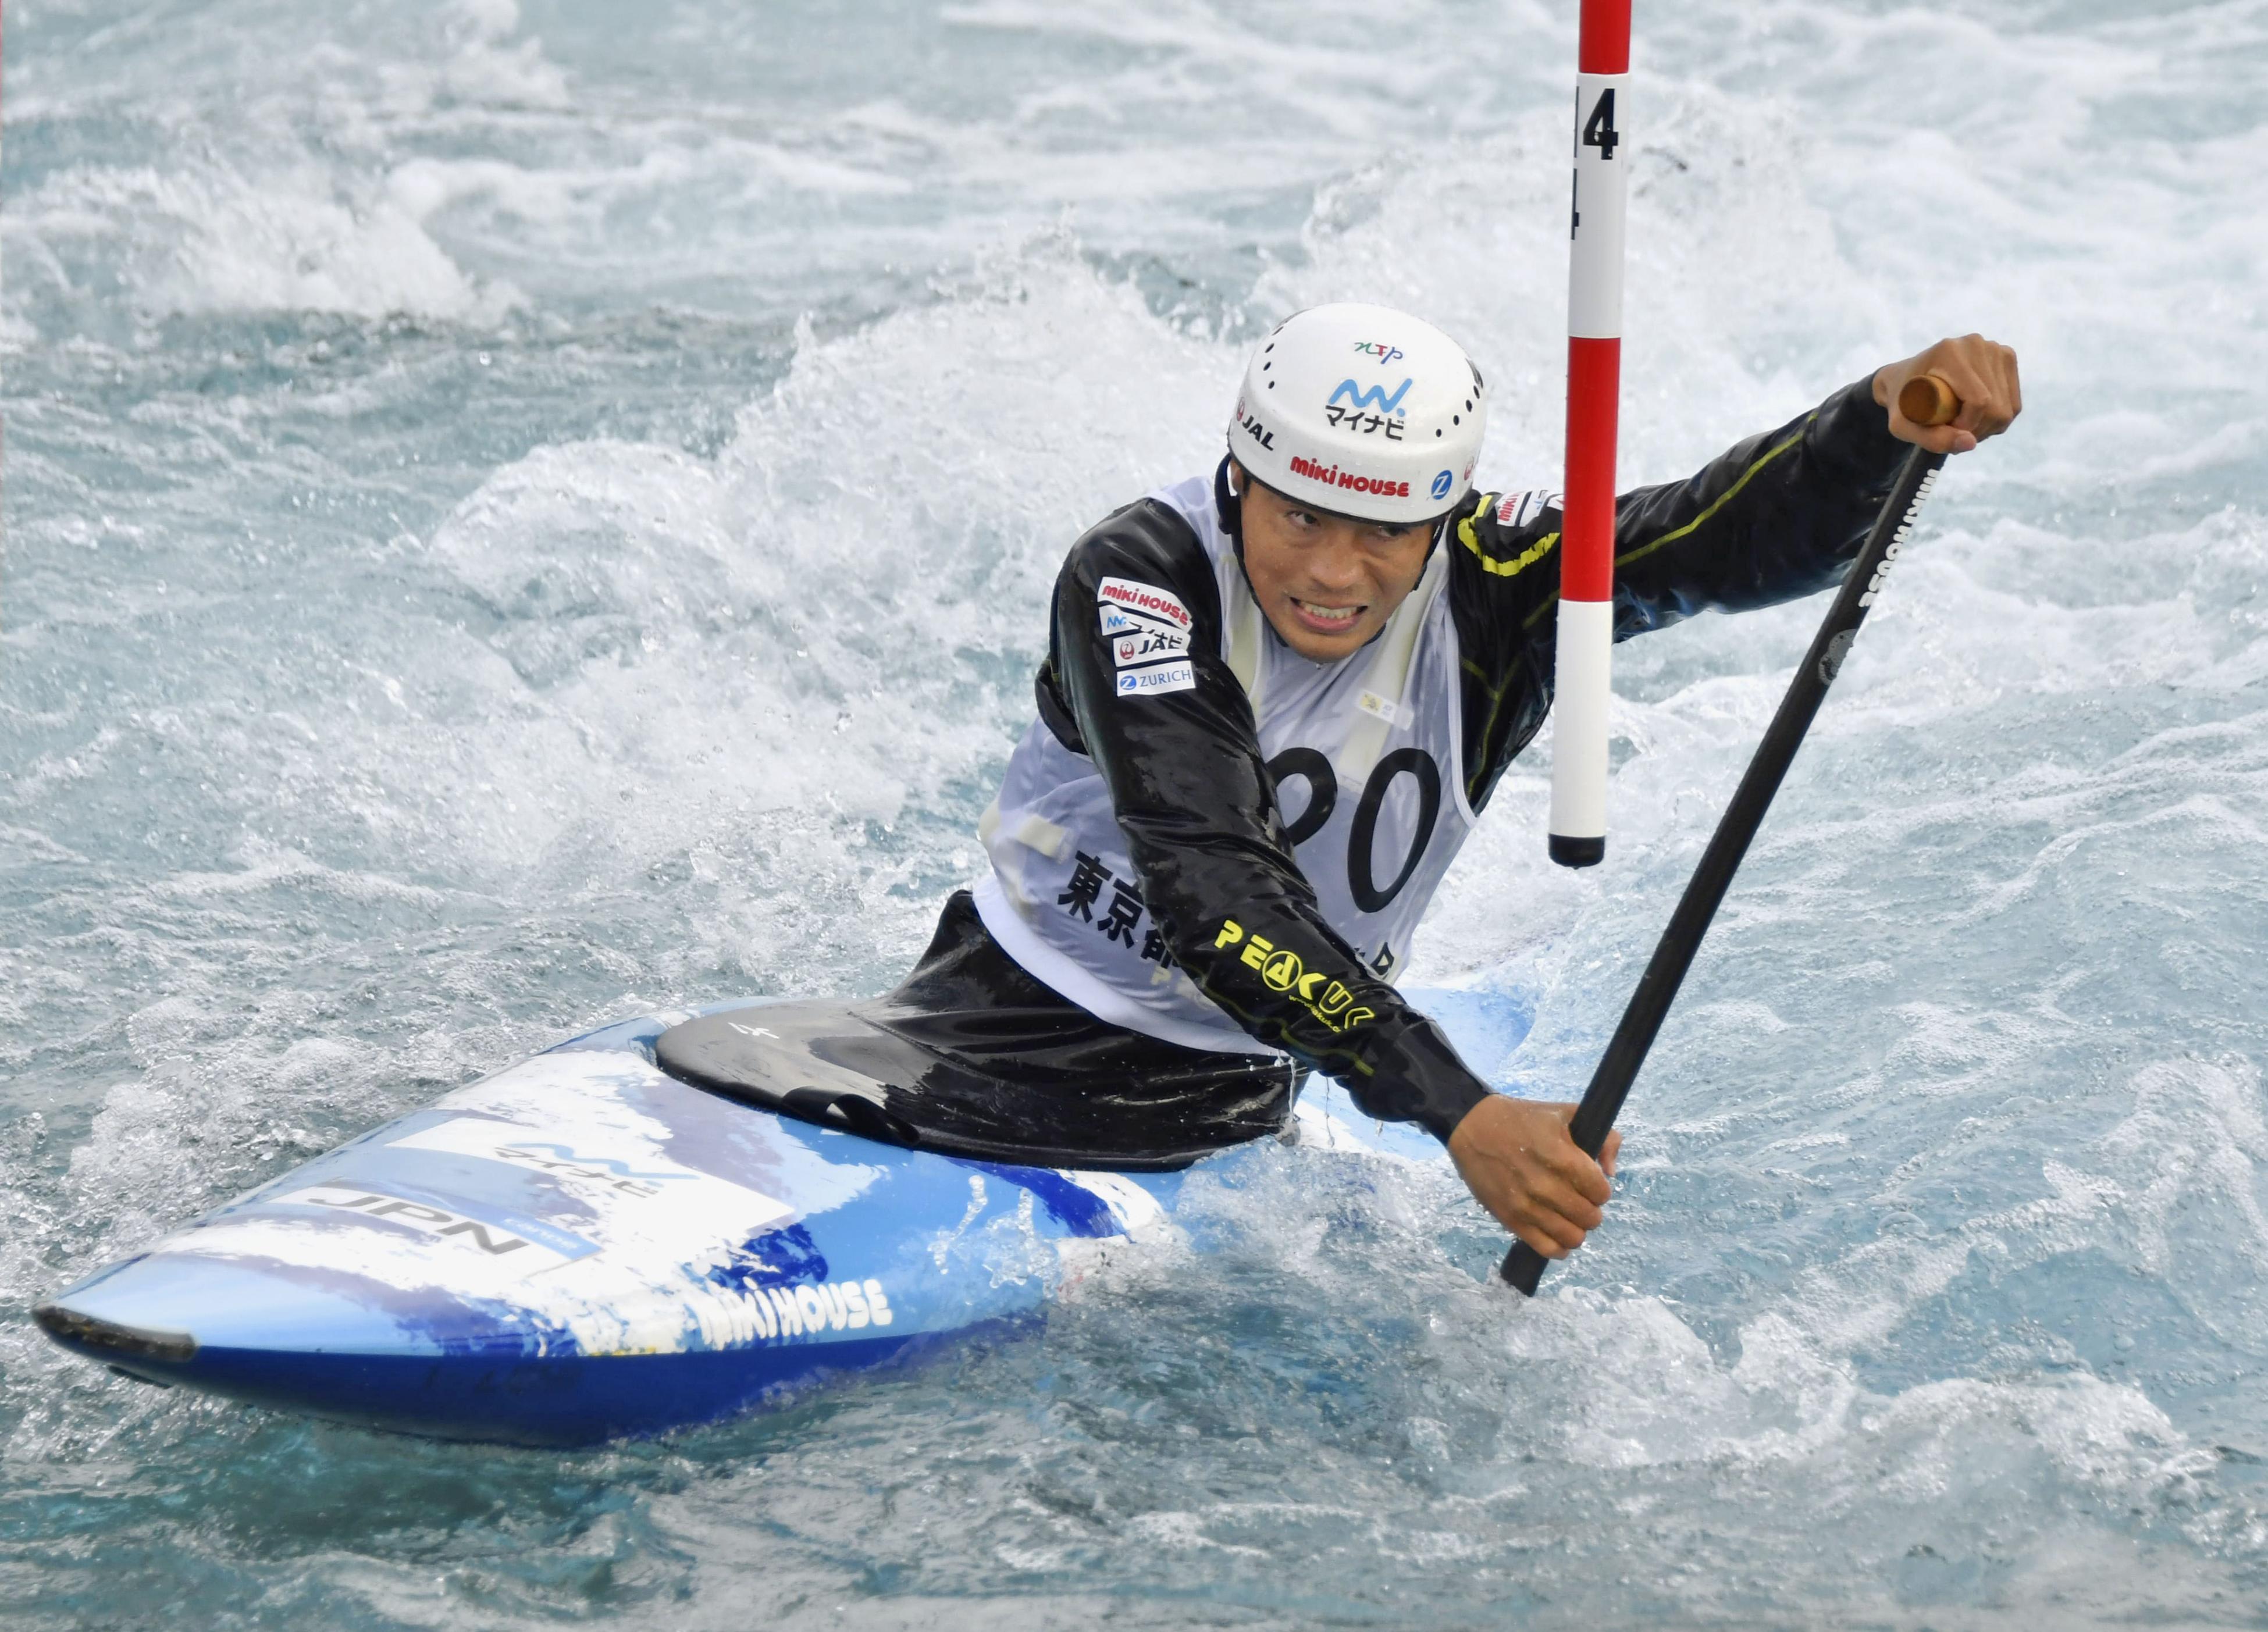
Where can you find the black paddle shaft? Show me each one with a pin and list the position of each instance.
(1664, 972)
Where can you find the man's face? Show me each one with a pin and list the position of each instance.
(1327, 583)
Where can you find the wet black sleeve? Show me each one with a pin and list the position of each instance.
(1775, 517)
(1199, 810)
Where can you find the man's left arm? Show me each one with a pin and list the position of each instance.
(1782, 515)
(1778, 516)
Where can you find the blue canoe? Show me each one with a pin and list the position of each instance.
(582, 1246)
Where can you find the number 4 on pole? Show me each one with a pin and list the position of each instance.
(1595, 327)
(1598, 130)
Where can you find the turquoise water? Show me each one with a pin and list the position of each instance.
(517, 516)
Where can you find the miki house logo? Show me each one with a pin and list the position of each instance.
(1378, 349)
(1370, 396)
(1332, 476)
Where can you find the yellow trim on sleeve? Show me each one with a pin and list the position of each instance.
(1715, 504)
(1719, 502)
(1497, 564)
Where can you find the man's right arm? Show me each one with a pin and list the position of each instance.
(1183, 762)
(1179, 751)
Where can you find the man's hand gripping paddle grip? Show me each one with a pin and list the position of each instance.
(1926, 400)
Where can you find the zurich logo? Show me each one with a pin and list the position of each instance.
(1371, 396)
(1441, 485)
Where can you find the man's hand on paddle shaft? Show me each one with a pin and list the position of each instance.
(1518, 1158)
(1982, 373)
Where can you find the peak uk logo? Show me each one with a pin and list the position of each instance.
(1378, 349)
(1371, 396)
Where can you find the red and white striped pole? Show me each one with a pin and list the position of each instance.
(1594, 368)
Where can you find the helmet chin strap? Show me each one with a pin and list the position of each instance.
(1229, 504)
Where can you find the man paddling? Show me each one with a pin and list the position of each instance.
(1275, 702)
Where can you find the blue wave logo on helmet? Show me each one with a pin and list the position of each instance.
(1442, 483)
(1370, 396)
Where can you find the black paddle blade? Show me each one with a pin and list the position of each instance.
(1673, 955)
(1523, 1268)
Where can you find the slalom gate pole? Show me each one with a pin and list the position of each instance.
(1926, 401)
(1595, 370)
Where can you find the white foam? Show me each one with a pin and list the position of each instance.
(792, 630)
(218, 239)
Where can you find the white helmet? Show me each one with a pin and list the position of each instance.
(1361, 409)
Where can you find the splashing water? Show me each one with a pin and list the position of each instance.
(520, 514)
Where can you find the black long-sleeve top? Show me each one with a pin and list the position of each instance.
(1777, 517)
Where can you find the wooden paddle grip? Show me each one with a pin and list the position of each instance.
(1927, 400)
